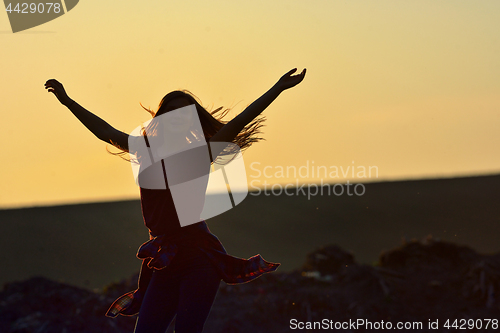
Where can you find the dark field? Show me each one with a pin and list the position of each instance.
(91, 245)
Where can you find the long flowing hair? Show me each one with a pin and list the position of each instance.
(211, 122)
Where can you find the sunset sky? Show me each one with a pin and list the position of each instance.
(410, 87)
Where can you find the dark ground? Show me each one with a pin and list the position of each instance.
(91, 245)
(416, 282)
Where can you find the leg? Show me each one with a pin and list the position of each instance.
(160, 303)
(197, 293)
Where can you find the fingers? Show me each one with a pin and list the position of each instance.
(51, 86)
(299, 77)
(52, 83)
(303, 73)
(54, 87)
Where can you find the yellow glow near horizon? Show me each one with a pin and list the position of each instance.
(410, 87)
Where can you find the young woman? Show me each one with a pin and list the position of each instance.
(182, 265)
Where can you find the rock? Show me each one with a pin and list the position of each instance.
(327, 261)
(41, 305)
(418, 281)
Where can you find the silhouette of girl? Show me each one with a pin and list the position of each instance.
(182, 265)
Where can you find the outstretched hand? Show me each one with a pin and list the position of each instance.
(57, 89)
(288, 80)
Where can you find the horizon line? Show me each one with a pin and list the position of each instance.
(368, 180)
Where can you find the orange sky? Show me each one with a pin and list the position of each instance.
(409, 87)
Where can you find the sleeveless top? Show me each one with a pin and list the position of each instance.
(166, 236)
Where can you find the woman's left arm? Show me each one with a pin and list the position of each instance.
(236, 125)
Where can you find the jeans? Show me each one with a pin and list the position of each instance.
(186, 287)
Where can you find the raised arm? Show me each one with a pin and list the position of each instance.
(232, 128)
(96, 125)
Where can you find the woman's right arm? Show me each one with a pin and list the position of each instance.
(96, 125)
